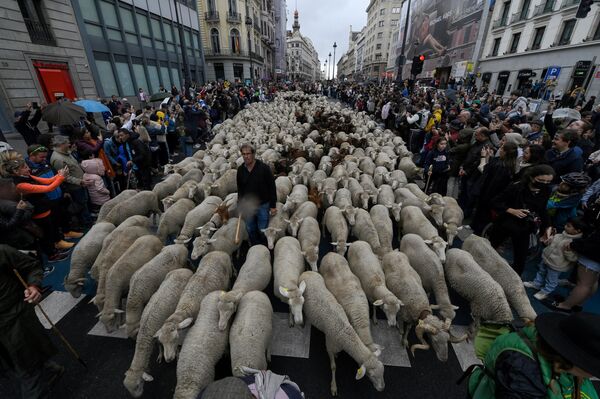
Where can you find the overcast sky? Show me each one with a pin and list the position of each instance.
(328, 21)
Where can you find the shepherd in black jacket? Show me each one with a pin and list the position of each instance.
(138, 157)
(256, 189)
(28, 127)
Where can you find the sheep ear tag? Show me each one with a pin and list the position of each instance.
(284, 292)
(360, 373)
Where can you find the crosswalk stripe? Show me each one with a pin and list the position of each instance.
(393, 354)
(56, 305)
(290, 342)
(100, 331)
(465, 351)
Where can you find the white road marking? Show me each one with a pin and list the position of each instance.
(100, 330)
(290, 342)
(393, 354)
(465, 351)
(56, 305)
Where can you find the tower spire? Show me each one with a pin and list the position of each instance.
(296, 25)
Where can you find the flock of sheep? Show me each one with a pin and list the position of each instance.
(352, 187)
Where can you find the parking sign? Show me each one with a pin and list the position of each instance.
(552, 73)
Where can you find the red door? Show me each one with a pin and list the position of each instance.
(55, 80)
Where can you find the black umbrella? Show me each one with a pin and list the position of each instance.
(159, 96)
(63, 113)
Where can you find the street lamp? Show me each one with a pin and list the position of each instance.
(329, 70)
(334, 47)
(248, 23)
(326, 69)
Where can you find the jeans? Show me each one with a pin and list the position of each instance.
(81, 197)
(547, 278)
(256, 223)
(185, 148)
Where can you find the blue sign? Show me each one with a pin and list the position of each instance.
(552, 73)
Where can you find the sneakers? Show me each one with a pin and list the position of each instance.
(57, 257)
(530, 284)
(62, 244)
(540, 295)
(73, 235)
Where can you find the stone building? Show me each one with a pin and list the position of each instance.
(302, 58)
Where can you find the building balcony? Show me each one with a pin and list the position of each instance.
(39, 32)
(257, 57)
(211, 16)
(234, 17)
(569, 3)
(544, 8)
(225, 53)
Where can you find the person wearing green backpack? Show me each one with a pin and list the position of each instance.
(555, 358)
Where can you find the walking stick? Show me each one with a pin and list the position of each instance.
(128, 178)
(428, 178)
(56, 330)
(237, 229)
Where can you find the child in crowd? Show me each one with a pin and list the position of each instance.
(437, 166)
(94, 171)
(556, 258)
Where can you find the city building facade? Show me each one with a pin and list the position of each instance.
(539, 46)
(138, 44)
(346, 66)
(383, 17)
(42, 56)
(280, 29)
(302, 58)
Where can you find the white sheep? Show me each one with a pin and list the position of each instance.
(225, 184)
(414, 222)
(335, 223)
(328, 191)
(167, 186)
(197, 217)
(213, 273)
(161, 305)
(255, 274)
(298, 196)
(306, 209)
(396, 178)
(194, 174)
(172, 220)
(283, 186)
(146, 280)
(326, 314)
(346, 288)
(202, 348)
(316, 180)
(309, 237)
(343, 200)
(486, 297)
(222, 240)
(277, 226)
(452, 217)
(288, 264)
(360, 198)
(384, 228)
(85, 253)
(409, 168)
(406, 284)
(143, 203)
(365, 265)
(430, 269)
(486, 256)
(119, 275)
(188, 190)
(365, 230)
(250, 333)
(111, 203)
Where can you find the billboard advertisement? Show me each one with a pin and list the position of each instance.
(444, 31)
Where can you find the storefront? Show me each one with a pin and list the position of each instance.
(502, 82)
(524, 81)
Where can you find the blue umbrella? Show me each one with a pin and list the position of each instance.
(92, 106)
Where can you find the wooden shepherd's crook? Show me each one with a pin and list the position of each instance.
(237, 229)
(56, 330)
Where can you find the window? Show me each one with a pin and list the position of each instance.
(549, 5)
(234, 36)
(139, 73)
(93, 30)
(377, 57)
(219, 71)
(233, 7)
(176, 77)
(88, 10)
(496, 46)
(567, 32)
(214, 41)
(124, 74)
(505, 10)
(35, 20)
(597, 33)
(164, 75)
(109, 13)
(537, 39)
(515, 42)
(108, 82)
(378, 47)
(154, 80)
(396, 10)
(467, 34)
(380, 35)
(394, 22)
(381, 24)
(382, 11)
(156, 29)
(127, 19)
(525, 9)
(238, 71)
(211, 6)
(142, 21)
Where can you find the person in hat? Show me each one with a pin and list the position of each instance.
(553, 359)
(28, 127)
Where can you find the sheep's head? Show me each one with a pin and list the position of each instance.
(452, 231)
(110, 319)
(295, 300)
(436, 198)
(396, 211)
(294, 223)
(206, 231)
(167, 202)
(447, 311)
(206, 188)
(330, 194)
(312, 255)
(201, 247)
(271, 234)
(227, 306)
(168, 336)
(390, 306)
(438, 245)
(169, 168)
(75, 287)
(364, 200)
(340, 246)
(373, 368)
(350, 214)
(192, 189)
(134, 381)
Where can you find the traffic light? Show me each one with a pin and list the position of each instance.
(584, 8)
(417, 64)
